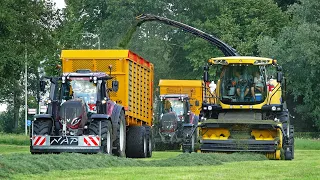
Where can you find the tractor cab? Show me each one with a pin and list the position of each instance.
(75, 96)
(178, 105)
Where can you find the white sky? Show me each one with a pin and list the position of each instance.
(3, 107)
(59, 3)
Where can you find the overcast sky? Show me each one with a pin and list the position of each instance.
(60, 3)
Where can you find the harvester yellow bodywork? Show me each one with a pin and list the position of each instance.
(243, 118)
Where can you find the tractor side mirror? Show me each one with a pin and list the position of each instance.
(115, 86)
(279, 77)
(206, 74)
(197, 103)
(42, 85)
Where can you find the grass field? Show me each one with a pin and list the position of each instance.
(17, 163)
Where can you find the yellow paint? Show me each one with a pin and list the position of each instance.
(240, 59)
(215, 133)
(264, 134)
(135, 76)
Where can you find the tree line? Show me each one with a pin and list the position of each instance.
(34, 32)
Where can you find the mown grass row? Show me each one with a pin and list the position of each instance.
(34, 164)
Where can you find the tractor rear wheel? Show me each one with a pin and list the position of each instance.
(106, 134)
(120, 141)
(136, 142)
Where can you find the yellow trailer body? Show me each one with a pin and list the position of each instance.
(135, 76)
(193, 88)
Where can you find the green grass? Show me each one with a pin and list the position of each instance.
(305, 166)
(307, 144)
(14, 139)
(9, 149)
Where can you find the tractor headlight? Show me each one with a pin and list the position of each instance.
(205, 108)
(209, 108)
(273, 108)
(63, 79)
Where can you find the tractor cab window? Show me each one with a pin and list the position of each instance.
(173, 105)
(242, 85)
(85, 90)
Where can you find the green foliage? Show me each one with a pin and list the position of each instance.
(297, 49)
(26, 37)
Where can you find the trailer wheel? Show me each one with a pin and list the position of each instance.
(42, 127)
(149, 140)
(120, 141)
(106, 134)
(136, 142)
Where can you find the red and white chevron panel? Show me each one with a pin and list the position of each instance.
(91, 140)
(39, 140)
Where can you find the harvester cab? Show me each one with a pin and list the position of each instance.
(247, 111)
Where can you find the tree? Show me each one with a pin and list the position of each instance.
(26, 30)
(297, 49)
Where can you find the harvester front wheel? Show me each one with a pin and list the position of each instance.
(289, 148)
(120, 141)
(106, 134)
(136, 142)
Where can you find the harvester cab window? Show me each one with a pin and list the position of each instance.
(242, 85)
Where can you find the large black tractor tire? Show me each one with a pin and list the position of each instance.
(136, 142)
(149, 141)
(106, 134)
(42, 127)
(188, 145)
(119, 143)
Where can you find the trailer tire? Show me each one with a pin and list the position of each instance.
(136, 142)
(149, 140)
(42, 127)
(120, 139)
(106, 134)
